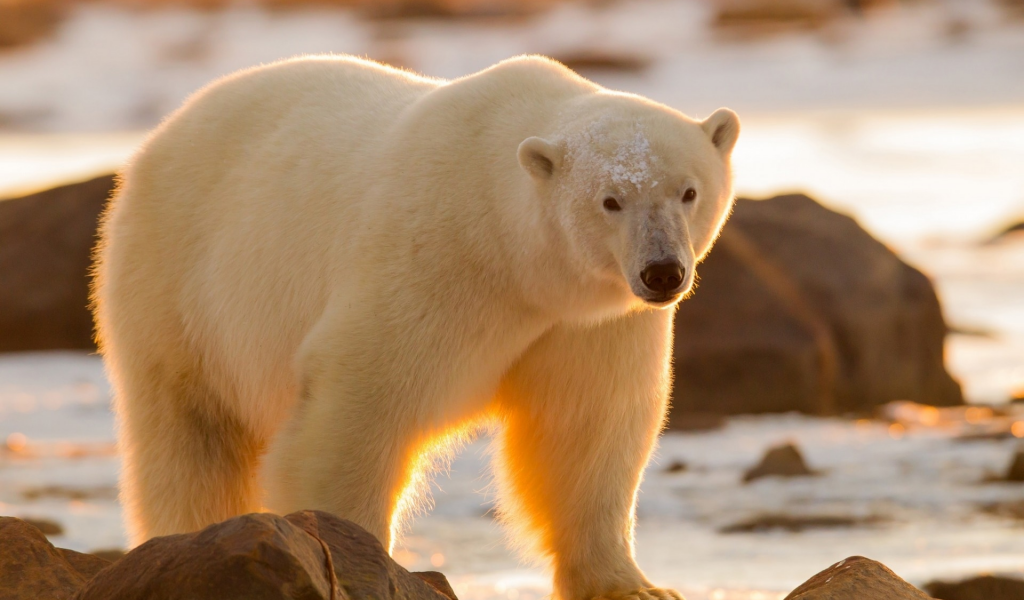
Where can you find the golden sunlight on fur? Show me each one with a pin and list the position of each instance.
(319, 275)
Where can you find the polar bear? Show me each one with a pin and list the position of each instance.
(321, 271)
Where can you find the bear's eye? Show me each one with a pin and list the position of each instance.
(689, 195)
(611, 204)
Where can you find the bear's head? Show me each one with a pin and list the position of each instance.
(638, 191)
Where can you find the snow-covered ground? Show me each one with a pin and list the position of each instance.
(926, 489)
(912, 121)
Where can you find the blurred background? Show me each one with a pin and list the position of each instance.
(894, 400)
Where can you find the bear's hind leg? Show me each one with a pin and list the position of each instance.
(186, 463)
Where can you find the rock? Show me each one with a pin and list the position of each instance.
(603, 61)
(856, 578)
(784, 461)
(745, 18)
(46, 526)
(253, 556)
(364, 569)
(794, 524)
(1007, 509)
(437, 581)
(308, 555)
(986, 587)
(32, 569)
(1013, 9)
(800, 309)
(108, 554)
(1016, 470)
(86, 565)
(44, 264)
(25, 21)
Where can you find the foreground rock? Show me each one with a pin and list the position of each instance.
(987, 587)
(47, 239)
(782, 461)
(856, 578)
(307, 555)
(799, 308)
(32, 569)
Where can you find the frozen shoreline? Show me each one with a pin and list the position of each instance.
(929, 488)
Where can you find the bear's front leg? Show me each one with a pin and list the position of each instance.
(583, 409)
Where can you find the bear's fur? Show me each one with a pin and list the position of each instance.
(324, 269)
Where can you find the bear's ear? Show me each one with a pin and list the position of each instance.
(539, 157)
(723, 127)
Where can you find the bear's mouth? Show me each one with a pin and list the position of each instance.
(662, 300)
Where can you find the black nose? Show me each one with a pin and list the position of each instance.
(663, 276)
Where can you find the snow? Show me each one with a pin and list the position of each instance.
(914, 130)
(929, 487)
(626, 162)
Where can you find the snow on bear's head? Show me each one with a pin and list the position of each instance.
(640, 191)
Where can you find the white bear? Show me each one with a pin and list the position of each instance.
(318, 272)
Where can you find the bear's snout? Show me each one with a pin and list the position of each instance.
(664, 277)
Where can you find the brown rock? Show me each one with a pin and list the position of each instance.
(252, 556)
(86, 565)
(437, 581)
(744, 19)
(794, 523)
(32, 569)
(364, 569)
(1016, 470)
(46, 526)
(25, 21)
(108, 554)
(856, 578)
(986, 587)
(306, 555)
(784, 461)
(44, 264)
(799, 308)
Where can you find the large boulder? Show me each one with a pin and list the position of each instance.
(308, 555)
(799, 309)
(32, 569)
(856, 578)
(47, 240)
